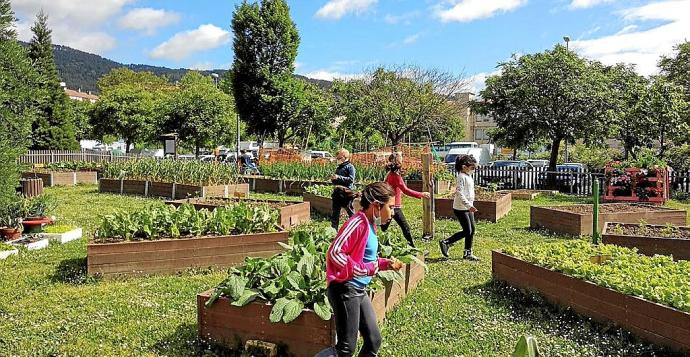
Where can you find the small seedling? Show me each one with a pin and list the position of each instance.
(669, 230)
(644, 229)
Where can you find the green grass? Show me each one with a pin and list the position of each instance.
(49, 307)
(59, 228)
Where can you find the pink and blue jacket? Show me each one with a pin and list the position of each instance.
(345, 258)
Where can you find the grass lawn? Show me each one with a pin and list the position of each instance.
(49, 307)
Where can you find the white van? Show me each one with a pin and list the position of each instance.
(480, 154)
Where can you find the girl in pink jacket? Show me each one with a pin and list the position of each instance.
(351, 262)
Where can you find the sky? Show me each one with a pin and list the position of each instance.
(344, 38)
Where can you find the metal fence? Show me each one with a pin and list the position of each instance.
(44, 157)
(570, 182)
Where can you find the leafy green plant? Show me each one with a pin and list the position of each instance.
(669, 230)
(291, 281)
(59, 229)
(39, 206)
(658, 278)
(74, 166)
(643, 226)
(527, 347)
(11, 214)
(190, 172)
(320, 190)
(6, 247)
(158, 222)
(618, 229)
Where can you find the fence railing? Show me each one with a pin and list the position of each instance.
(44, 157)
(570, 182)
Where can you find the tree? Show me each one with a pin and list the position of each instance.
(664, 105)
(199, 112)
(402, 100)
(554, 95)
(265, 47)
(633, 128)
(54, 125)
(677, 68)
(301, 108)
(7, 31)
(127, 107)
(82, 113)
(18, 82)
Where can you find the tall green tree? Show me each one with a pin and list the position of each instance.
(54, 126)
(82, 119)
(18, 82)
(265, 48)
(676, 68)
(665, 106)
(7, 19)
(199, 112)
(554, 95)
(633, 127)
(128, 106)
(400, 101)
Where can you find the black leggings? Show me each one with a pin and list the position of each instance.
(399, 217)
(466, 219)
(339, 204)
(353, 312)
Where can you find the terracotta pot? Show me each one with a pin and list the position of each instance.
(10, 233)
(37, 218)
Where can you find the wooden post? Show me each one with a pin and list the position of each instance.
(428, 186)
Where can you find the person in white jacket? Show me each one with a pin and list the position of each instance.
(463, 207)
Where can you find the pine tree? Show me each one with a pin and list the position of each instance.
(17, 91)
(54, 127)
(7, 31)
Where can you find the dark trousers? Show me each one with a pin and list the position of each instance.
(338, 204)
(353, 313)
(399, 217)
(466, 219)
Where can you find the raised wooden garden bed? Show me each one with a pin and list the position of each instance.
(577, 219)
(31, 242)
(171, 190)
(290, 213)
(59, 178)
(175, 255)
(529, 194)
(440, 188)
(491, 209)
(232, 326)
(658, 324)
(261, 184)
(650, 239)
(324, 205)
(636, 185)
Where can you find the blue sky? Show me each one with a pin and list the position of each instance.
(342, 38)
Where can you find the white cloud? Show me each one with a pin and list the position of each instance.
(78, 24)
(584, 4)
(184, 44)
(405, 18)
(476, 83)
(327, 75)
(470, 10)
(336, 9)
(642, 47)
(412, 39)
(148, 20)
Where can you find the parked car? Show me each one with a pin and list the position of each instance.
(511, 174)
(539, 163)
(570, 177)
(322, 155)
(480, 154)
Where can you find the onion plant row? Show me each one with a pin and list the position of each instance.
(178, 171)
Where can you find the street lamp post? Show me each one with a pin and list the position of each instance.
(215, 78)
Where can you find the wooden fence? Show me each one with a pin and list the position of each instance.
(44, 157)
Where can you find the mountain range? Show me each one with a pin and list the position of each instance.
(81, 70)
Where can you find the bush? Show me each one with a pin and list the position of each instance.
(679, 158)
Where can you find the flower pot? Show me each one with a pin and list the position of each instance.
(10, 233)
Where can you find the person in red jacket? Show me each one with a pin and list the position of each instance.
(394, 178)
(351, 262)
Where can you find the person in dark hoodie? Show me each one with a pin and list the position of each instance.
(344, 181)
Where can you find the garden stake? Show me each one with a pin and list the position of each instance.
(595, 213)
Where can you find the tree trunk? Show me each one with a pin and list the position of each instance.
(514, 154)
(127, 144)
(197, 150)
(553, 161)
(662, 147)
